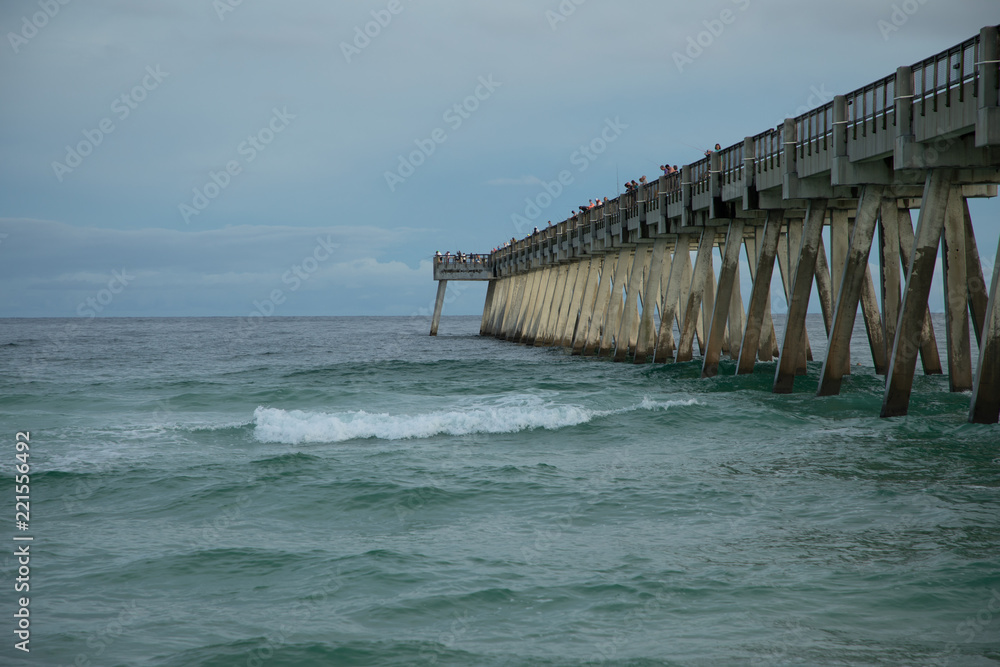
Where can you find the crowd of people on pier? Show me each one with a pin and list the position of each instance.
(631, 187)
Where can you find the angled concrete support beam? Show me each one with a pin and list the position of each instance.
(759, 293)
(699, 283)
(929, 356)
(913, 311)
(805, 271)
(679, 277)
(631, 314)
(853, 275)
(985, 407)
(565, 338)
(601, 305)
(647, 326)
(550, 309)
(978, 289)
(728, 274)
(587, 307)
(615, 304)
(559, 323)
(788, 257)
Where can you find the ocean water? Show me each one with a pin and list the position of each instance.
(350, 491)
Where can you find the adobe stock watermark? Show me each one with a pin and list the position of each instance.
(698, 44)
(223, 7)
(817, 98)
(37, 21)
(454, 116)
(900, 16)
(363, 36)
(565, 9)
(122, 107)
(581, 158)
(248, 150)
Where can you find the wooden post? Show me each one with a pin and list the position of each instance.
(615, 305)
(929, 356)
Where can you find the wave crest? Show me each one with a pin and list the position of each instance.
(294, 427)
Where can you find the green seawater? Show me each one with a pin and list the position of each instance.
(350, 491)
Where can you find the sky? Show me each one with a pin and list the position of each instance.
(308, 157)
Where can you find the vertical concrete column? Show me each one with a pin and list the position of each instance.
(978, 294)
(928, 341)
(788, 258)
(840, 240)
(956, 295)
(631, 313)
(913, 312)
(708, 308)
(854, 272)
(487, 306)
(985, 408)
(672, 297)
(438, 306)
(587, 306)
(699, 283)
(759, 293)
(890, 217)
(873, 324)
(615, 305)
(824, 287)
(805, 271)
(600, 305)
(728, 274)
(651, 299)
(767, 349)
(737, 316)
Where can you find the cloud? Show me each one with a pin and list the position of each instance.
(50, 268)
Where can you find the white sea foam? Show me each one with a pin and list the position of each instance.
(296, 426)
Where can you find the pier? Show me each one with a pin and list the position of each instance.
(926, 137)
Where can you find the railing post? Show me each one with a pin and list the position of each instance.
(716, 209)
(988, 120)
(790, 181)
(686, 217)
(750, 198)
(903, 157)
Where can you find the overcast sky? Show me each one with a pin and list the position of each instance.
(200, 157)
